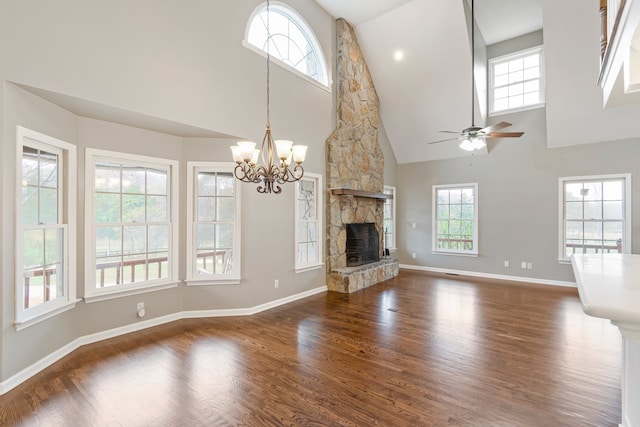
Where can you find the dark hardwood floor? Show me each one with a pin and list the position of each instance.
(418, 350)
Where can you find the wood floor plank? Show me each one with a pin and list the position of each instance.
(418, 350)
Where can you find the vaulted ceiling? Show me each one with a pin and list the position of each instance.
(498, 20)
(429, 89)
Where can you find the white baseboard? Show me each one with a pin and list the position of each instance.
(626, 421)
(491, 276)
(253, 310)
(17, 379)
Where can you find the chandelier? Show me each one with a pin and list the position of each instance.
(276, 168)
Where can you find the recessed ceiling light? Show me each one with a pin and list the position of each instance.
(398, 55)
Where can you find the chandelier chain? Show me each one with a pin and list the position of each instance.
(281, 160)
(268, 62)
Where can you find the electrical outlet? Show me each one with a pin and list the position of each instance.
(529, 265)
(506, 263)
(523, 264)
(413, 225)
(140, 310)
(276, 283)
(413, 255)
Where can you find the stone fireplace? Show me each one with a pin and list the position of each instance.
(355, 171)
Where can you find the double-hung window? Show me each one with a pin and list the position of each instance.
(131, 223)
(595, 215)
(455, 219)
(308, 228)
(516, 81)
(390, 218)
(213, 225)
(45, 232)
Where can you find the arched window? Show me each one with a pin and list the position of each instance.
(287, 37)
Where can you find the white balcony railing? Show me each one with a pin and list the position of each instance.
(619, 51)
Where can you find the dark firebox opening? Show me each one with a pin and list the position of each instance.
(363, 245)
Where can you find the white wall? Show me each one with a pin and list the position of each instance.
(575, 113)
(182, 62)
(4, 222)
(167, 59)
(390, 163)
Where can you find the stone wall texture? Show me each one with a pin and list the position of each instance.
(354, 157)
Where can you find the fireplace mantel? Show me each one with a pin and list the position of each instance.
(360, 193)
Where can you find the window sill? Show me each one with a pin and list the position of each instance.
(464, 254)
(326, 87)
(308, 268)
(210, 281)
(30, 321)
(517, 110)
(119, 293)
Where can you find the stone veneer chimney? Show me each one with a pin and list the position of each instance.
(354, 161)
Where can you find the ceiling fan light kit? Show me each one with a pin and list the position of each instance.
(474, 138)
(473, 144)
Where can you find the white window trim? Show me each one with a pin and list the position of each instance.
(235, 276)
(434, 220)
(394, 222)
(301, 268)
(501, 58)
(93, 294)
(626, 242)
(68, 156)
(294, 16)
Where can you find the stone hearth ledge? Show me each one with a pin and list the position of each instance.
(352, 279)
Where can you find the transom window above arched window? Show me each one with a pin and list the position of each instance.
(285, 36)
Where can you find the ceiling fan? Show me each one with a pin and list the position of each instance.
(473, 137)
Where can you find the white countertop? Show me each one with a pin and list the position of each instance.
(609, 286)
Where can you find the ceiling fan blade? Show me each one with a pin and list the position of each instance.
(505, 134)
(496, 126)
(447, 131)
(442, 140)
